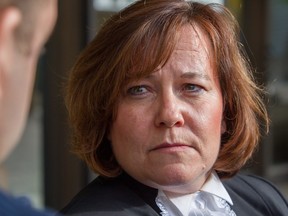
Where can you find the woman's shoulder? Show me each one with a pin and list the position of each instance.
(256, 184)
(99, 194)
(107, 197)
(255, 191)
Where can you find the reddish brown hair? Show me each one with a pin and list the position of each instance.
(140, 38)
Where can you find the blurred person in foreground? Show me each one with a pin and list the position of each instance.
(164, 108)
(25, 26)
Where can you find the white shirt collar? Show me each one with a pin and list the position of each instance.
(214, 186)
(181, 205)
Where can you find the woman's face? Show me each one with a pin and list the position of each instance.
(168, 125)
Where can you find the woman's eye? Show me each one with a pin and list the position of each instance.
(137, 90)
(193, 88)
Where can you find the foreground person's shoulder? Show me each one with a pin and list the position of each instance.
(17, 206)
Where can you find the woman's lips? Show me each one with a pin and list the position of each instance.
(171, 147)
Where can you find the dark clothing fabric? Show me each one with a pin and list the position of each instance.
(11, 206)
(120, 196)
(251, 195)
(255, 196)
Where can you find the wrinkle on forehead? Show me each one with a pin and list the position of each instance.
(192, 37)
(189, 38)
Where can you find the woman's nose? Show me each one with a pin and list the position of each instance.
(169, 112)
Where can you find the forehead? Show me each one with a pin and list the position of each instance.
(194, 43)
(193, 51)
(189, 37)
(193, 38)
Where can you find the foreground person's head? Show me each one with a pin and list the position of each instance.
(24, 28)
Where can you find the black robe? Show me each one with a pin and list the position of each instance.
(123, 196)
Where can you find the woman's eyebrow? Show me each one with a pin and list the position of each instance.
(195, 75)
(185, 75)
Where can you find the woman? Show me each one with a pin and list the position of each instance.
(164, 108)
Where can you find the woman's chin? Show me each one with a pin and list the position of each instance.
(177, 181)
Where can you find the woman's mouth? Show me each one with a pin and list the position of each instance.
(171, 147)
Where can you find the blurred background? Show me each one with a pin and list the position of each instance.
(42, 166)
